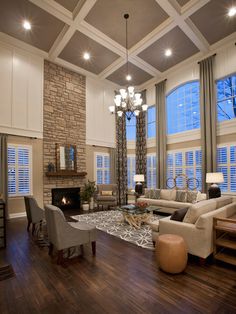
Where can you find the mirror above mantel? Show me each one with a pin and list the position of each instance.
(66, 158)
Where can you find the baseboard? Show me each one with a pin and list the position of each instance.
(17, 215)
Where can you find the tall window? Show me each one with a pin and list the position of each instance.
(131, 160)
(185, 162)
(131, 129)
(151, 171)
(226, 98)
(226, 163)
(102, 161)
(151, 122)
(183, 110)
(19, 170)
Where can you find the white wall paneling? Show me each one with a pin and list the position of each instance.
(100, 124)
(21, 89)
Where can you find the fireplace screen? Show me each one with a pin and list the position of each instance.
(66, 198)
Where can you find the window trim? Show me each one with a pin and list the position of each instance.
(170, 92)
(228, 164)
(17, 145)
(95, 165)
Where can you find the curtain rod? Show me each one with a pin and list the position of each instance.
(208, 57)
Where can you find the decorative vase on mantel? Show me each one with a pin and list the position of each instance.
(91, 203)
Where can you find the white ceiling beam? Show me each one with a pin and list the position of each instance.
(101, 38)
(55, 9)
(198, 41)
(112, 68)
(153, 36)
(66, 36)
(144, 65)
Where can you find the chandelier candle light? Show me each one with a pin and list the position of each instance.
(127, 101)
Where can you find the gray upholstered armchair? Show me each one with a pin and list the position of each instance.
(106, 195)
(63, 235)
(34, 213)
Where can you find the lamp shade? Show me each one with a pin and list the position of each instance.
(138, 178)
(214, 177)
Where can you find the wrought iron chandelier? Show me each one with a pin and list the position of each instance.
(127, 101)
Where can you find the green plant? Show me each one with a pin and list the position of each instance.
(88, 191)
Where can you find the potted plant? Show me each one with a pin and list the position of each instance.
(87, 195)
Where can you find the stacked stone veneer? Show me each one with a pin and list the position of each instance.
(63, 122)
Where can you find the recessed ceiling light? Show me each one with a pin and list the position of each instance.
(168, 52)
(86, 56)
(232, 11)
(27, 25)
(128, 77)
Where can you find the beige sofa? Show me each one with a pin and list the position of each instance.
(197, 226)
(166, 200)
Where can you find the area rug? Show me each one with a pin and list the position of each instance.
(112, 223)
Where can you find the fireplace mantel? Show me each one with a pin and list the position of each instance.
(66, 174)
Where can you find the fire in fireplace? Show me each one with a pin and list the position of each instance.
(66, 198)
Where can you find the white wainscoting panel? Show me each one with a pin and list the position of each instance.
(21, 90)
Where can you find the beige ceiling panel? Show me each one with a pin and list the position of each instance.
(213, 22)
(138, 75)
(181, 46)
(182, 2)
(101, 57)
(108, 17)
(68, 4)
(45, 27)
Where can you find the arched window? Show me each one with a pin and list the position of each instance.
(226, 98)
(182, 108)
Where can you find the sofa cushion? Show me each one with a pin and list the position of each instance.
(168, 195)
(192, 196)
(106, 193)
(179, 214)
(181, 196)
(200, 197)
(152, 193)
(198, 209)
(106, 198)
(223, 200)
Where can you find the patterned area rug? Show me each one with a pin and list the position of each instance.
(112, 223)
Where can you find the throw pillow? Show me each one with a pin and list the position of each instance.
(191, 196)
(147, 193)
(200, 197)
(168, 195)
(179, 214)
(181, 196)
(106, 193)
(156, 194)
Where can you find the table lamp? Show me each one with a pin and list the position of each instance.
(214, 178)
(138, 179)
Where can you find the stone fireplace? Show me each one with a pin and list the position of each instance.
(64, 122)
(66, 198)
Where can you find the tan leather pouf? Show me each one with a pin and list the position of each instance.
(171, 253)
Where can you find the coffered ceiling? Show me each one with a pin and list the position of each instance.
(65, 29)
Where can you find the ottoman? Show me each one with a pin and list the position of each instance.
(171, 253)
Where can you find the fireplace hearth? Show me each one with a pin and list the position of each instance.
(66, 198)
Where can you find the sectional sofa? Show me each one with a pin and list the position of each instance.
(168, 201)
(197, 225)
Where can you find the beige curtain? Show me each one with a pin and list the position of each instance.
(121, 159)
(3, 169)
(208, 117)
(161, 133)
(112, 165)
(141, 143)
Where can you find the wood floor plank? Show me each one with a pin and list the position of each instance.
(121, 278)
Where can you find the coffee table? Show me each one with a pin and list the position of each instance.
(135, 216)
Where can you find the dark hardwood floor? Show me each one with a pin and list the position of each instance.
(122, 278)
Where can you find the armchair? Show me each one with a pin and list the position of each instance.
(34, 213)
(106, 195)
(63, 235)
